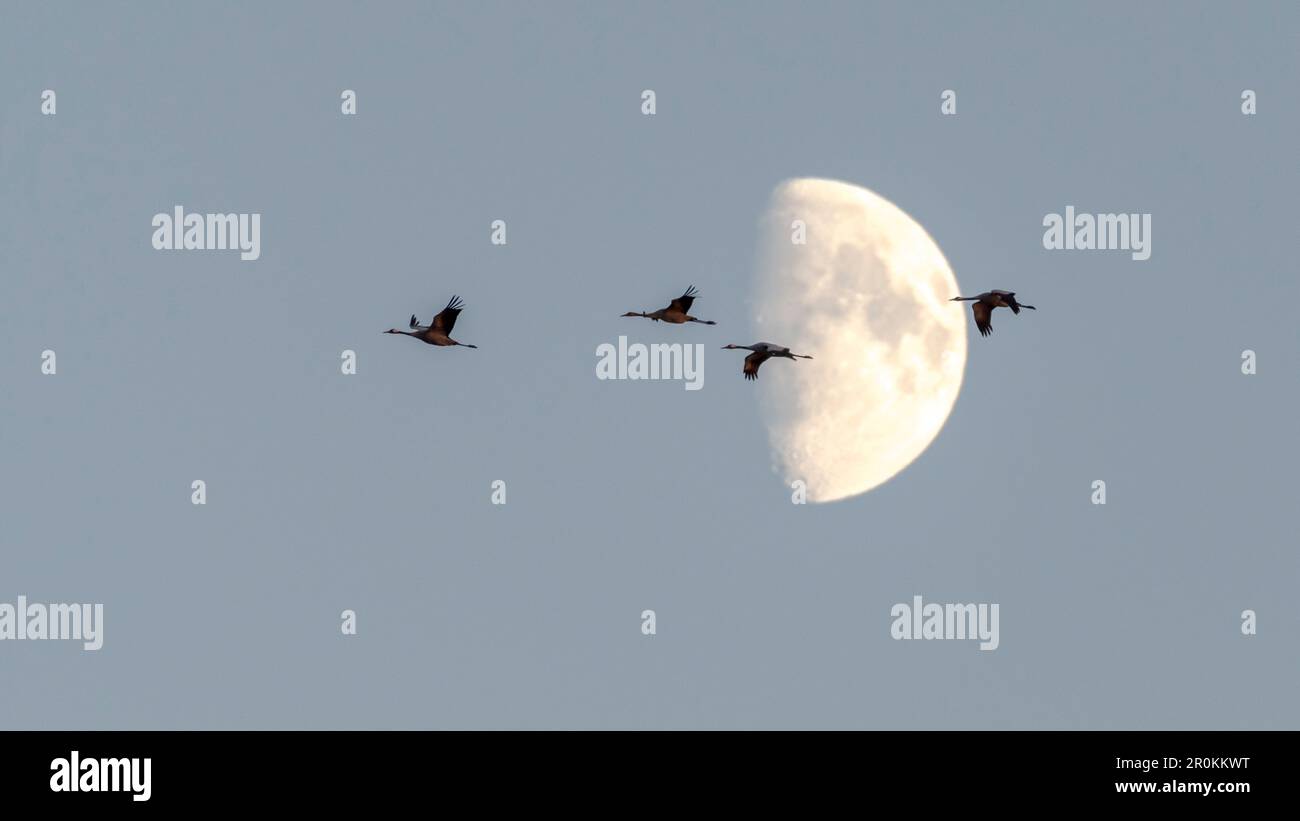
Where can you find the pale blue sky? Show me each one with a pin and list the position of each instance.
(371, 492)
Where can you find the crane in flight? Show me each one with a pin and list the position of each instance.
(986, 302)
(438, 331)
(762, 351)
(677, 312)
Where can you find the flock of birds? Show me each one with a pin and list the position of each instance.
(678, 312)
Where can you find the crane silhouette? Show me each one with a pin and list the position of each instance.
(677, 312)
(762, 351)
(438, 331)
(986, 302)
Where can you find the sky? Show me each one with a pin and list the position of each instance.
(372, 492)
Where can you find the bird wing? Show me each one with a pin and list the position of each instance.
(684, 302)
(414, 322)
(983, 318)
(752, 362)
(446, 318)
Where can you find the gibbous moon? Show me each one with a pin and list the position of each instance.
(867, 295)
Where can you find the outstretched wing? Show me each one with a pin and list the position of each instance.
(414, 322)
(752, 362)
(983, 318)
(683, 303)
(446, 318)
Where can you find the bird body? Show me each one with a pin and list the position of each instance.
(762, 351)
(438, 331)
(985, 303)
(677, 312)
